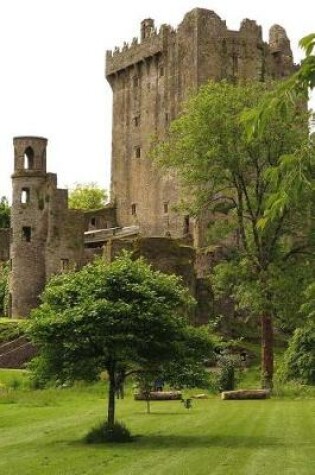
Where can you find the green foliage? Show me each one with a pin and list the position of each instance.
(102, 433)
(4, 286)
(87, 196)
(308, 307)
(227, 375)
(296, 87)
(285, 286)
(110, 312)
(294, 174)
(299, 359)
(108, 317)
(11, 329)
(236, 178)
(189, 369)
(292, 389)
(5, 212)
(257, 189)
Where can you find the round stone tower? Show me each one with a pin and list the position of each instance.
(29, 224)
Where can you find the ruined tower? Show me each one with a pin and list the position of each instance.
(47, 237)
(150, 79)
(28, 222)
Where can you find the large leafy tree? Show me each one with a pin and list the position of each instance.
(297, 175)
(4, 213)
(233, 177)
(109, 317)
(87, 196)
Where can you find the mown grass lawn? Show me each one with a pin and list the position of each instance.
(41, 433)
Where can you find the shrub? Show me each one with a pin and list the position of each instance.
(11, 329)
(299, 359)
(292, 390)
(101, 434)
(226, 378)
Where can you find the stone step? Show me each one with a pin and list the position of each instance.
(17, 357)
(8, 345)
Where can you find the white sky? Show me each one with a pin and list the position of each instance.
(52, 84)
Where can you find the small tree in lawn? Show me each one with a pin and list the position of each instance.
(109, 316)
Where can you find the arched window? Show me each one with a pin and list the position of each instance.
(29, 158)
(25, 196)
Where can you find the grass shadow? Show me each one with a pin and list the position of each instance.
(159, 441)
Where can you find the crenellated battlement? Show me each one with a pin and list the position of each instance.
(250, 27)
(151, 43)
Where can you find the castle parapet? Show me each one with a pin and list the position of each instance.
(151, 44)
(250, 28)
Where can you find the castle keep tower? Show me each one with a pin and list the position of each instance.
(150, 80)
(29, 223)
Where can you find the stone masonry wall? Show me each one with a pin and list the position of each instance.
(150, 80)
(5, 235)
(100, 218)
(172, 257)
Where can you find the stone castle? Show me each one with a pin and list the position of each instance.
(150, 79)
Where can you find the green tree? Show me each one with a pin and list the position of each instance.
(87, 196)
(232, 178)
(4, 213)
(4, 276)
(109, 317)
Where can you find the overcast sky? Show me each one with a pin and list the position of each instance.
(52, 84)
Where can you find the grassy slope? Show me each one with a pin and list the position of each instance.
(41, 434)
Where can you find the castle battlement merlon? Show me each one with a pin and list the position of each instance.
(134, 54)
(151, 44)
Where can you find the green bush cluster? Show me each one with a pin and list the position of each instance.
(299, 359)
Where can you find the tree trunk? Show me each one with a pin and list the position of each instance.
(111, 398)
(147, 393)
(148, 404)
(266, 351)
